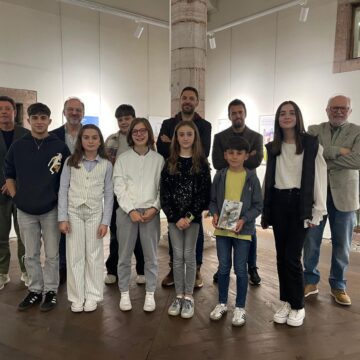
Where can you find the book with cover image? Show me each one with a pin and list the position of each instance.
(230, 214)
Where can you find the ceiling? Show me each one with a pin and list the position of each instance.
(220, 12)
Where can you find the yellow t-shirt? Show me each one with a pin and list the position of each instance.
(234, 185)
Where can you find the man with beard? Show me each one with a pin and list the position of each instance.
(237, 115)
(73, 111)
(341, 142)
(189, 100)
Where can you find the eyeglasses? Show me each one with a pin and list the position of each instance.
(142, 131)
(336, 109)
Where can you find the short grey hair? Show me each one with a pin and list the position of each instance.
(339, 95)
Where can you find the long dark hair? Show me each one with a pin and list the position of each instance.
(145, 122)
(76, 157)
(278, 132)
(198, 157)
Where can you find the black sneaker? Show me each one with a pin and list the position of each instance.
(49, 302)
(254, 278)
(32, 298)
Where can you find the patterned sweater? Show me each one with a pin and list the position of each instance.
(185, 192)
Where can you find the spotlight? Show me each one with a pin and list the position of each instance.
(139, 30)
(212, 41)
(304, 11)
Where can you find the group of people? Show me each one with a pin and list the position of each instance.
(68, 186)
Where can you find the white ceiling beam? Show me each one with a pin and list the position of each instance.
(117, 12)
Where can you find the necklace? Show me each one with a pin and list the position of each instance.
(38, 144)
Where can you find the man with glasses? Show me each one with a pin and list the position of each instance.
(341, 142)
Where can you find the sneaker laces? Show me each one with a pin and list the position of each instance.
(239, 314)
(284, 309)
(187, 304)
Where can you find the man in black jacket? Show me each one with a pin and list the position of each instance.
(32, 170)
(73, 112)
(237, 115)
(189, 100)
(9, 132)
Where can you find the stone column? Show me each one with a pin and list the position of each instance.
(188, 49)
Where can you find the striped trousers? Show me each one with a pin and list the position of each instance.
(84, 255)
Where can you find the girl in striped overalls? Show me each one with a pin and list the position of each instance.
(85, 207)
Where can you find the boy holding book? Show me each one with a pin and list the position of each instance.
(238, 186)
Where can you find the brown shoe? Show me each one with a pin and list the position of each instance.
(198, 280)
(341, 297)
(310, 289)
(168, 279)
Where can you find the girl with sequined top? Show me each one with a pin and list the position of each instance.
(184, 195)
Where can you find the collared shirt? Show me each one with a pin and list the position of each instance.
(89, 165)
(70, 140)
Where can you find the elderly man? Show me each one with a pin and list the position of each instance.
(341, 142)
(74, 110)
(9, 132)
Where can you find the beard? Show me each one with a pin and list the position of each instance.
(187, 109)
(237, 124)
(336, 122)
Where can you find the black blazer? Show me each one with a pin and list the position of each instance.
(59, 132)
(168, 128)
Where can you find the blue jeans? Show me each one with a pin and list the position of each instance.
(341, 226)
(224, 246)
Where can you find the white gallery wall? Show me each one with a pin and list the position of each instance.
(62, 50)
(277, 58)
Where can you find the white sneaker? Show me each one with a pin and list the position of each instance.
(218, 312)
(90, 305)
(149, 304)
(296, 317)
(239, 317)
(125, 302)
(25, 278)
(175, 307)
(140, 279)
(187, 310)
(77, 307)
(109, 279)
(4, 279)
(282, 314)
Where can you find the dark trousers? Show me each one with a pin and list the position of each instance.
(199, 246)
(251, 262)
(289, 233)
(62, 253)
(113, 258)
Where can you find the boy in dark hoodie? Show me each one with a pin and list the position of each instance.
(32, 170)
(234, 183)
